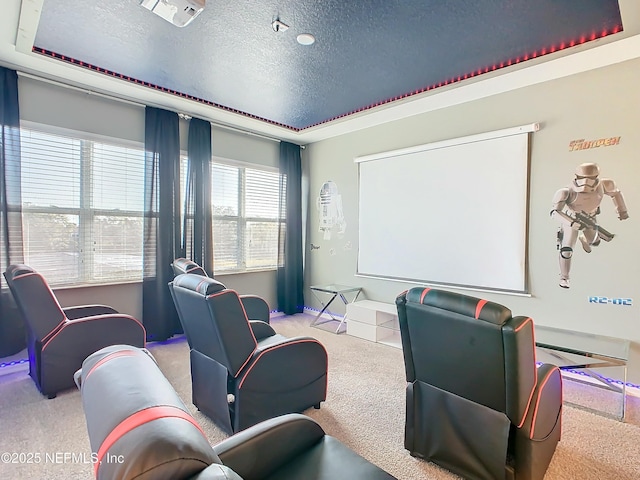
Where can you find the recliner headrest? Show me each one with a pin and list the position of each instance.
(135, 415)
(463, 304)
(17, 270)
(197, 283)
(184, 265)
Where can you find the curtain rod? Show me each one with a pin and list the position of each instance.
(139, 104)
(222, 126)
(79, 89)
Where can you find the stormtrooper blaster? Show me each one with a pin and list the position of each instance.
(585, 221)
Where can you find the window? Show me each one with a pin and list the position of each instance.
(82, 208)
(245, 217)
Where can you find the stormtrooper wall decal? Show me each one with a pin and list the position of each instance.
(576, 208)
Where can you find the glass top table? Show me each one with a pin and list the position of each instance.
(333, 291)
(584, 353)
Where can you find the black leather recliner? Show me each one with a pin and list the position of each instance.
(242, 371)
(256, 307)
(140, 429)
(476, 402)
(59, 339)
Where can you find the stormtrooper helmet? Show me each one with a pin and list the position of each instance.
(586, 177)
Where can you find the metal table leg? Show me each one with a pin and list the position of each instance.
(324, 309)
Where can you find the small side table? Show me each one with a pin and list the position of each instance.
(584, 353)
(336, 291)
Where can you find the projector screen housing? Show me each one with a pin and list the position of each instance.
(450, 213)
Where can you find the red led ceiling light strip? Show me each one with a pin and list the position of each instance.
(480, 71)
(104, 71)
(483, 70)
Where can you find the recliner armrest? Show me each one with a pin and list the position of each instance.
(269, 444)
(545, 408)
(103, 318)
(94, 332)
(264, 370)
(261, 329)
(216, 472)
(80, 311)
(255, 307)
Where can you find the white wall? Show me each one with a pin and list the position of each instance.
(79, 110)
(601, 103)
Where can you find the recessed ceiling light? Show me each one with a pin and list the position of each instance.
(306, 39)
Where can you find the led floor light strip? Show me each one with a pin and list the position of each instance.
(610, 380)
(13, 363)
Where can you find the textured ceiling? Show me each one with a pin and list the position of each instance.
(366, 52)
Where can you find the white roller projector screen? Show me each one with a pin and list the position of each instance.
(450, 213)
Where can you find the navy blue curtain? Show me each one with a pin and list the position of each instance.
(161, 222)
(197, 231)
(290, 269)
(12, 332)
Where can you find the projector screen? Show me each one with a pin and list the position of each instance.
(448, 213)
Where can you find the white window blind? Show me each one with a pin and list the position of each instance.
(83, 203)
(245, 218)
(117, 205)
(82, 208)
(261, 213)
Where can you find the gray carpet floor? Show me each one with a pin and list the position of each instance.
(364, 409)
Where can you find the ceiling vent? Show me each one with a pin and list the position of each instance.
(178, 12)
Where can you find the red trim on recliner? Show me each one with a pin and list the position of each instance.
(529, 319)
(271, 349)
(255, 341)
(246, 317)
(28, 274)
(200, 284)
(194, 268)
(111, 356)
(424, 293)
(140, 418)
(57, 328)
(65, 320)
(66, 323)
(535, 371)
(481, 303)
(49, 336)
(535, 411)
